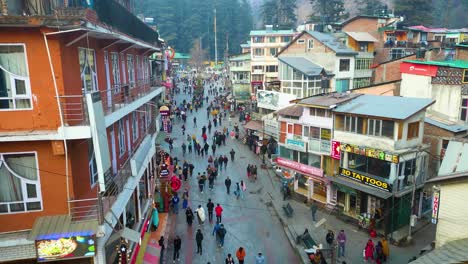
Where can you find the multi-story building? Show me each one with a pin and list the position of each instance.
(79, 105)
(305, 144)
(239, 68)
(324, 50)
(383, 161)
(363, 44)
(264, 46)
(245, 47)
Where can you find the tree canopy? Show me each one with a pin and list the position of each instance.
(328, 11)
(281, 13)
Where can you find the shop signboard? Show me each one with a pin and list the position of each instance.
(325, 134)
(419, 69)
(325, 146)
(370, 152)
(336, 150)
(365, 179)
(435, 206)
(273, 100)
(299, 167)
(298, 145)
(65, 247)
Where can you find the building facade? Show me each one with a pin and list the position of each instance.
(239, 68)
(79, 105)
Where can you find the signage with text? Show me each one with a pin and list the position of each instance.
(67, 247)
(299, 167)
(435, 206)
(296, 144)
(365, 179)
(418, 69)
(370, 152)
(335, 151)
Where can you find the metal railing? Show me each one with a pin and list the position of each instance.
(84, 209)
(46, 7)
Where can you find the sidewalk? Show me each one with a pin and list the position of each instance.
(151, 252)
(356, 239)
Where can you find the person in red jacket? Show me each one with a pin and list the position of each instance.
(218, 211)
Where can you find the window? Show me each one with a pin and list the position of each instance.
(148, 115)
(319, 112)
(259, 52)
(344, 65)
(138, 69)
(285, 39)
(271, 68)
(353, 124)
(273, 51)
(115, 70)
(88, 70)
(361, 82)
(464, 110)
(377, 167)
(257, 77)
(374, 127)
(258, 39)
(397, 53)
(310, 44)
(131, 69)
(388, 128)
(314, 132)
(258, 67)
(134, 126)
(93, 172)
(121, 136)
(272, 39)
(465, 76)
(339, 122)
(413, 130)
(122, 60)
(300, 41)
(363, 64)
(290, 128)
(20, 189)
(15, 89)
(363, 46)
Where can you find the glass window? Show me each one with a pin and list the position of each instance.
(259, 52)
(93, 172)
(121, 136)
(339, 122)
(304, 158)
(19, 183)
(134, 126)
(363, 46)
(465, 76)
(272, 39)
(413, 130)
(310, 44)
(131, 69)
(88, 70)
(258, 39)
(273, 51)
(388, 128)
(361, 82)
(464, 109)
(363, 64)
(115, 70)
(306, 130)
(314, 160)
(297, 75)
(374, 127)
(315, 132)
(344, 65)
(285, 152)
(285, 39)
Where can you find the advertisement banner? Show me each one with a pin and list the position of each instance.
(418, 69)
(336, 150)
(67, 247)
(369, 152)
(273, 100)
(435, 206)
(299, 167)
(296, 144)
(365, 179)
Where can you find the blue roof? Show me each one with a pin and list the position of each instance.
(393, 107)
(455, 128)
(303, 65)
(332, 43)
(271, 32)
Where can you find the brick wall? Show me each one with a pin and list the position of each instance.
(390, 71)
(433, 135)
(462, 54)
(363, 25)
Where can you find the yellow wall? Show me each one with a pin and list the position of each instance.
(353, 44)
(453, 221)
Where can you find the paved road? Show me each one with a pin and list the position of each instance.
(250, 222)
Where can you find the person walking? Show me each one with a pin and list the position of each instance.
(177, 246)
(330, 238)
(227, 182)
(213, 148)
(240, 254)
(259, 259)
(218, 211)
(184, 148)
(175, 203)
(215, 232)
(230, 259)
(313, 208)
(243, 188)
(189, 216)
(163, 247)
(194, 121)
(221, 234)
(237, 191)
(200, 215)
(386, 250)
(225, 161)
(379, 255)
(341, 238)
(210, 206)
(369, 250)
(232, 152)
(211, 179)
(185, 196)
(199, 239)
(201, 182)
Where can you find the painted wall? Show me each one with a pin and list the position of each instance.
(388, 89)
(52, 177)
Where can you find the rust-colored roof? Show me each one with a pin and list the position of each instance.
(293, 110)
(254, 125)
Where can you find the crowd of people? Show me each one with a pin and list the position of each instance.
(208, 142)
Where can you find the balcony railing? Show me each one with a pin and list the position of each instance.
(74, 106)
(84, 209)
(319, 145)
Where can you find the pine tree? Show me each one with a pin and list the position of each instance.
(328, 11)
(280, 12)
(416, 12)
(372, 7)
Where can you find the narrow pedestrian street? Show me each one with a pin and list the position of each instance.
(250, 222)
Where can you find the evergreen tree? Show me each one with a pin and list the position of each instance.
(328, 11)
(372, 7)
(416, 12)
(279, 12)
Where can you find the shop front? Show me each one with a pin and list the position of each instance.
(308, 181)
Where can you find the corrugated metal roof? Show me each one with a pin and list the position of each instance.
(362, 36)
(451, 252)
(254, 125)
(58, 226)
(455, 158)
(240, 57)
(393, 107)
(452, 127)
(463, 64)
(271, 32)
(332, 43)
(293, 110)
(303, 65)
(328, 100)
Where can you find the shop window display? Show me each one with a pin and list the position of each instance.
(380, 168)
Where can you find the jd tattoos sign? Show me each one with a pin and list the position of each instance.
(364, 179)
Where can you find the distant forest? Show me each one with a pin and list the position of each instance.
(182, 23)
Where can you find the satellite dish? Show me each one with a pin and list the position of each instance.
(329, 27)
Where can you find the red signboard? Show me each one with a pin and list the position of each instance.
(418, 69)
(336, 152)
(299, 167)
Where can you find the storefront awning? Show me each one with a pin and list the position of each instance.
(59, 226)
(360, 187)
(254, 125)
(160, 138)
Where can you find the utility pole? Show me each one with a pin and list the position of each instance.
(215, 40)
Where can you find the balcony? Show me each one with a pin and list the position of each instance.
(120, 96)
(69, 12)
